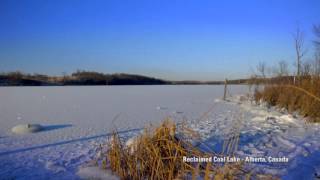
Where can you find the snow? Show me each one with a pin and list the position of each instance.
(94, 172)
(268, 131)
(26, 128)
(78, 120)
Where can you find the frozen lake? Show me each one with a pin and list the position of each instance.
(95, 107)
(77, 117)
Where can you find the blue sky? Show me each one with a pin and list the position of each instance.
(171, 39)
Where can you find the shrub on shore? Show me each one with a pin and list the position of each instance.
(302, 97)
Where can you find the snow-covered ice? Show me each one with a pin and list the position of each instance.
(78, 119)
(265, 132)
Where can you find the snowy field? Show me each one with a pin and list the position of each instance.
(78, 119)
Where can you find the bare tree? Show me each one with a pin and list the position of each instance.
(282, 69)
(299, 47)
(316, 31)
(306, 68)
(261, 68)
(316, 65)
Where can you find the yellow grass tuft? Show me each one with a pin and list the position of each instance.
(158, 154)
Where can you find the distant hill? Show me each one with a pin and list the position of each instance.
(93, 78)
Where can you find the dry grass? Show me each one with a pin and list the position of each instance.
(302, 97)
(158, 154)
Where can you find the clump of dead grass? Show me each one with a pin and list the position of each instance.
(303, 97)
(158, 154)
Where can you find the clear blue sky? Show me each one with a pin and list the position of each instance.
(171, 39)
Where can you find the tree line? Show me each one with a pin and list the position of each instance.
(79, 77)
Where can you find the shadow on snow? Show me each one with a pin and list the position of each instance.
(64, 142)
(54, 127)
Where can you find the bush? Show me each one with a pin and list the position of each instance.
(302, 97)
